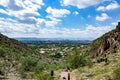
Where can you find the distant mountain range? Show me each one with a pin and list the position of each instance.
(38, 41)
(51, 39)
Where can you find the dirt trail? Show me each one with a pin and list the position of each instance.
(64, 76)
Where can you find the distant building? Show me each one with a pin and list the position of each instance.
(42, 52)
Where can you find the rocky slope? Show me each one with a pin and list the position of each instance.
(11, 53)
(19, 60)
(106, 58)
(109, 41)
(9, 43)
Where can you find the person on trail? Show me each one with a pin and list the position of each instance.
(52, 73)
(68, 71)
(68, 76)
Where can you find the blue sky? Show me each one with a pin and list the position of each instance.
(81, 19)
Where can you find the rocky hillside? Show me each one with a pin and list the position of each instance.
(108, 42)
(18, 60)
(12, 52)
(106, 58)
(10, 44)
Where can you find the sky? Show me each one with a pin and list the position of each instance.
(78, 19)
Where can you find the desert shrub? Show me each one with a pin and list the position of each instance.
(2, 72)
(114, 51)
(108, 77)
(44, 76)
(57, 55)
(39, 67)
(28, 63)
(62, 65)
(2, 53)
(96, 44)
(78, 61)
(89, 62)
(117, 74)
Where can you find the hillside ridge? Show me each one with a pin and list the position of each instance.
(109, 41)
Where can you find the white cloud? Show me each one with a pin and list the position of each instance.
(13, 28)
(101, 8)
(76, 13)
(54, 15)
(113, 5)
(39, 2)
(3, 11)
(103, 17)
(17, 5)
(52, 22)
(26, 24)
(4, 2)
(57, 13)
(80, 3)
(23, 10)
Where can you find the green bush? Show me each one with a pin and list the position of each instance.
(77, 61)
(80, 60)
(28, 63)
(89, 62)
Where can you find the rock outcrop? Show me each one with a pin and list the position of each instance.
(110, 41)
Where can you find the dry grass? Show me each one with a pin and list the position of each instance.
(99, 71)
